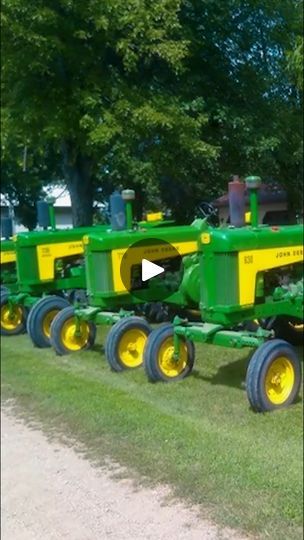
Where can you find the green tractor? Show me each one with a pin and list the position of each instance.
(115, 295)
(246, 273)
(8, 266)
(50, 270)
(7, 257)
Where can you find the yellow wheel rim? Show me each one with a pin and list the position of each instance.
(11, 318)
(47, 321)
(131, 347)
(167, 364)
(71, 340)
(279, 380)
(298, 327)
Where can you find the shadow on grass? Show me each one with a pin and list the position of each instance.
(232, 374)
(99, 348)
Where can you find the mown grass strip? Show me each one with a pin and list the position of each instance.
(198, 435)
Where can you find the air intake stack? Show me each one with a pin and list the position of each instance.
(6, 228)
(46, 214)
(253, 184)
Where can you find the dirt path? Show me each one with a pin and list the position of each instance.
(49, 492)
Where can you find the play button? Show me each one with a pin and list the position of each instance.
(150, 270)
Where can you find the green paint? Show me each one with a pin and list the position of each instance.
(92, 272)
(8, 270)
(219, 286)
(253, 183)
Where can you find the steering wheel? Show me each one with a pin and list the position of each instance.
(207, 209)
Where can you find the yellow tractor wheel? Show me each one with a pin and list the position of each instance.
(273, 377)
(159, 361)
(125, 343)
(69, 335)
(41, 317)
(13, 317)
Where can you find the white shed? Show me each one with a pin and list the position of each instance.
(62, 205)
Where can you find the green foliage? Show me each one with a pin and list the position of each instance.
(101, 80)
(238, 62)
(295, 54)
(167, 96)
(296, 63)
(24, 172)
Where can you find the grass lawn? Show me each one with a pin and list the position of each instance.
(198, 435)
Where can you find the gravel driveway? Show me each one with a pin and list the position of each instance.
(50, 492)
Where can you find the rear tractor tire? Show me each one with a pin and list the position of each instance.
(289, 329)
(66, 338)
(125, 343)
(159, 362)
(13, 318)
(40, 319)
(273, 377)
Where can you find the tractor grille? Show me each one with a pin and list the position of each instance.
(98, 273)
(220, 284)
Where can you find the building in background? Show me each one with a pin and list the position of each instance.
(62, 205)
(273, 206)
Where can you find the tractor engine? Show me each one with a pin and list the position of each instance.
(246, 271)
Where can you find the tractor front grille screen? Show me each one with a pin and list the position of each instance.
(99, 273)
(220, 283)
(226, 278)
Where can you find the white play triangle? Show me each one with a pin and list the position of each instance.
(150, 270)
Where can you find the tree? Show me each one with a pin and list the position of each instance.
(170, 97)
(237, 64)
(97, 80)
(24, 172)
(295, 55)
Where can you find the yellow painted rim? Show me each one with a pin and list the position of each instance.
(167, 364)
(131, 347)
(298, 327)
(11, 319)
(47, 321)
(279, 380)
(70, 340)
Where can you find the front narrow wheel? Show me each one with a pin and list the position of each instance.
(125, 343)
(69, 335)
(273, 377)
(13, 317)
(41, 317)
(159, 361)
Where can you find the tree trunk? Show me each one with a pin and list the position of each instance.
(77, 170)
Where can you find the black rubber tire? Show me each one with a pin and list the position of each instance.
(56, 332)
(113, 340)
(155, 341)
(21, 328)
(284, 330)
(37, 316)
(28, 320)
(257, 369)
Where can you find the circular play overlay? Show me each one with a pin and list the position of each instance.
(151, 270)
